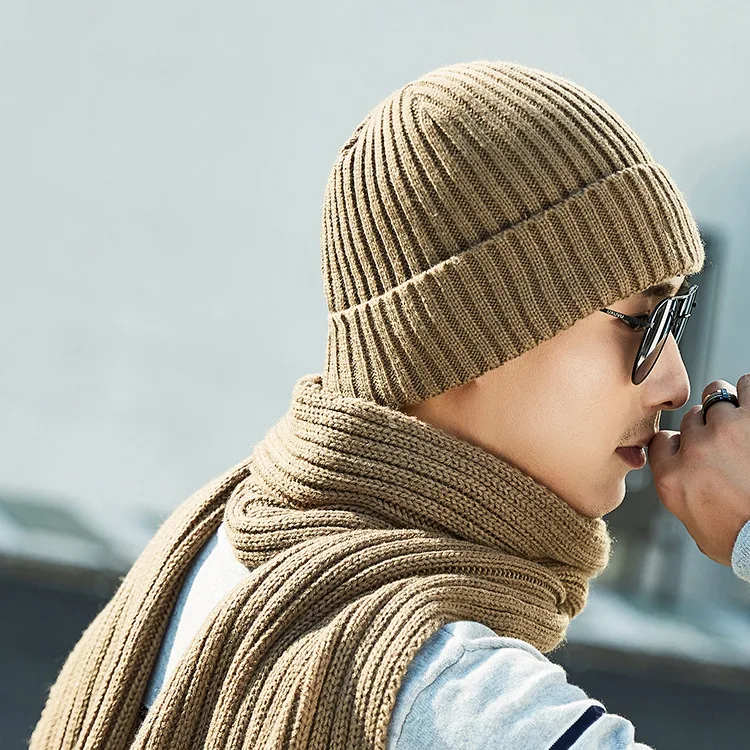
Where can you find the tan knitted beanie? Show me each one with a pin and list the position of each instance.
(477, 212)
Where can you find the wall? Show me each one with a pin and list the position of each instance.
(163, 167)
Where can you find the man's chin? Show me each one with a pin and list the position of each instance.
(615, 500)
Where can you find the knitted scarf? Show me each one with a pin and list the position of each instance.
(366, 530)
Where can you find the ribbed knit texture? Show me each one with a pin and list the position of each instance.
(367, 530)
(477, 212)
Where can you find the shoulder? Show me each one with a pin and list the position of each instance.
(467, 687)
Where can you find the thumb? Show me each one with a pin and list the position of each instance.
(664, 446)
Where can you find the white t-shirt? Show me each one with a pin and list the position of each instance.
(465, 688)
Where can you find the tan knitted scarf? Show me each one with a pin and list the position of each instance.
(367, 530)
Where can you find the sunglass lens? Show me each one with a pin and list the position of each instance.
(679, 328)
(647, 359)
(671, 315)
(653, 341)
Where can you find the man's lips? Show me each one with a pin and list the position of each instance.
(635, 456)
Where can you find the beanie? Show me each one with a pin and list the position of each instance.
(477, 212)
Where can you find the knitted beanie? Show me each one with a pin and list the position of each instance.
(477, 212)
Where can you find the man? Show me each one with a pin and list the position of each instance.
(507, 273)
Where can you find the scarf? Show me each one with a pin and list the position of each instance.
(366, 530)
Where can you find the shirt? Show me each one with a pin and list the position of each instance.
(466, 688)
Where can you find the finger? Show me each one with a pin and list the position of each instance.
(664, 445)
(743, 390)
(716, 385)
(692, 423)
(722, 407)
(664, 460)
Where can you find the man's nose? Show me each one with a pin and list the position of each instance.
(672, 382)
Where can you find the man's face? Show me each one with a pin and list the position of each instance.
(559, 411)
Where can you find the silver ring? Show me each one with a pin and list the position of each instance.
(715, 396)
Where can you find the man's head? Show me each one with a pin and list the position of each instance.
(474, 224)
(560, 410)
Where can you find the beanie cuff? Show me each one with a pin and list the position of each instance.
(487, 305)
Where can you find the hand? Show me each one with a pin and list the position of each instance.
(702, 473)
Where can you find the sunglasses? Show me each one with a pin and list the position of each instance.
(669, 316)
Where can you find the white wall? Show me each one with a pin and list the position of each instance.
(162, 167)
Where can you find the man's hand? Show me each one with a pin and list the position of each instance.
(702, 473)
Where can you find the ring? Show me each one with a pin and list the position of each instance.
(715, 396)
